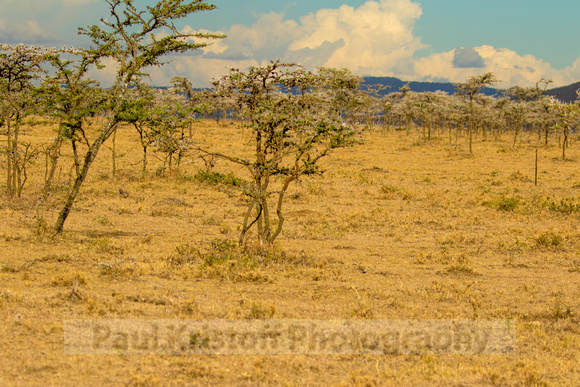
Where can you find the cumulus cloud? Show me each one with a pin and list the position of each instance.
(508, 66)
(313, 57)
(376, 39)
(28, 31)
(467, 57)
(377, 36)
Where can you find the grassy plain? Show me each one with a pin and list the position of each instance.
(397, 228)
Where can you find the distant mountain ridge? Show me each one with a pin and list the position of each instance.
(418, 87)
(564, 94)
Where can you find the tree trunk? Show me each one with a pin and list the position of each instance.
(14, 153)
(564, 143)
(9, 157)
(470, 139)
(52, 155)
(114, 154)
(89, 158)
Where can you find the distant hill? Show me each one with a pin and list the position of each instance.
(564, 94)
(418, 87)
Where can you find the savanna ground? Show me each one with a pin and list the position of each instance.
(397, 228)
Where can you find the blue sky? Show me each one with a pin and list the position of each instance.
(425, 40)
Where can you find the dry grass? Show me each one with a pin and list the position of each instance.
(397, 228)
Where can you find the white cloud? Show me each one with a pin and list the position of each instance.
(377, 36)
(28, 31)
(377, 39)
(508, 66)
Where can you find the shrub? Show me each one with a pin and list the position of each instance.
(548, 239)
(508, 204)
(216, 178)
(565, 205)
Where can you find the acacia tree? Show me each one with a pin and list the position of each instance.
(568, 115)
(134, 38)
(19, 67)
(470, 89)
(345, 87)
(296, 121)
(136, 110)
(72, 98)
(170, 116)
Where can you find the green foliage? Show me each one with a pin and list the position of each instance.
(216, 178)
(565, 205)
(134, 37)
(220, 253)
(296, 117)
(548, 239)
(508, 203)
(389, 189)
(183, 254)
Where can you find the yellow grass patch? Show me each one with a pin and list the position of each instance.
(397, 228)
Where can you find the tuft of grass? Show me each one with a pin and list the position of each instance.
(104, 246)
(40, 227)
(362, 311)
(389, 189)
(212, 221)
(215, 178)
(565, 205)
(65, 281)
(518, 176)
(103, 220)
(183, 254)
(560, 311)
(461, 269)
(548, 239)
(508, 204)
(257, 311)
(220, 253)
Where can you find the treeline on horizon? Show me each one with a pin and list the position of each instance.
(297, 116)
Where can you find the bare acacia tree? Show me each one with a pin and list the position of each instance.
(470, 89)
(135, 39)
(567, 119)
(296, 121)
(72, 98)
(19, 67)
(170, 116)
(136, 110)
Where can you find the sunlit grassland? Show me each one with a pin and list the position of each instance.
(396, 228)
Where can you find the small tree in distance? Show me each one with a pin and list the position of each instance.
(296, 121)
(470, 89)
(567, 119)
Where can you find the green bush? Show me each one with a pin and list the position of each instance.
(216, 178)
(548, 239)
(508, 204)
(565, 205)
